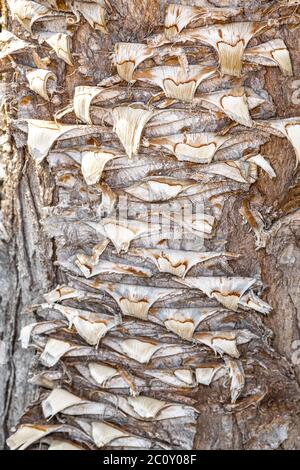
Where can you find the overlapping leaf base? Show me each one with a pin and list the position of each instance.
(153, 316)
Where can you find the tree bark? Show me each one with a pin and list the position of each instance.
(32, 251)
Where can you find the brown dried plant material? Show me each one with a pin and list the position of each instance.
(28, 434)
(128, 56)
(43, 134)
(59, 5)
(11, 44)
(256, 222)
(85, 95)
(179, 17)
(176, 82)
(229, 291)
(272, 53)
(224, 342)
(93, 12)
(61, 43)
(178, 262)
(93, 161)
(196, 148)
(237, 376)
(27, 12)
(289, 128)
(287, 3)
(233, 103)
(229, 40)
(135, 300)
(38, 81)
(129, 123)
(183, 321)
(122, 232)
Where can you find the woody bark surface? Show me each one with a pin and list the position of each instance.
(259, 218)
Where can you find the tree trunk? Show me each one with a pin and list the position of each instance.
(225, 370)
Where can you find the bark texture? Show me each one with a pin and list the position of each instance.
(45, 207)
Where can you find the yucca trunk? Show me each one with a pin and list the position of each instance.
(207, 324)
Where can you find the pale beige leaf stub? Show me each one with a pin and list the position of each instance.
(27, 12)
(61, 44)
(289, 128)
(196, 148)
(153, 122)
(58, 400)
(84, 96)
(104, 433)
(224, 342)
(135, 300)
(43, 134)
(233, 103)
(93, 12)
(227, 290)
(28, 434)
(175, 81)
(128, 56)
(129, 124)
(93, 162)
(273, 53)
(178, 262)
(11, 44)
(229, 40)
(179, 17)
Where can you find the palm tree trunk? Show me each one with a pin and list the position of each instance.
(48, 209)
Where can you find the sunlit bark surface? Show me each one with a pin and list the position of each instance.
(140, 340)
